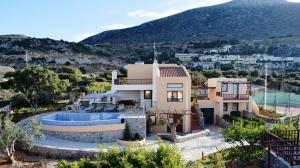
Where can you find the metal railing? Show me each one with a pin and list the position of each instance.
(235, 97)
(285, 144)
(132, 81)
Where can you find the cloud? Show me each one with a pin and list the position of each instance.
(82, 36)
(77, 38)
(114, 26)
(173, 7)
(293, 0)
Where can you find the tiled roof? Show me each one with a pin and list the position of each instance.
(172, 72)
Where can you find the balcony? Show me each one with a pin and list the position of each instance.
(133, 81)
(235, 97)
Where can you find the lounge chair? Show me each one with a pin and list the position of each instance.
(90, 108)
(98, 108)
(110, 108)
(120, 107)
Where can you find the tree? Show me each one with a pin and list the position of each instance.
(34, 81)
(72, 74)
(167, 118)
(10, 133)
(198, 78)
(241, 131)
(98, 87)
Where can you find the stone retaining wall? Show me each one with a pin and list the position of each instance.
(137, 125)
(56, 153)
(91, 137)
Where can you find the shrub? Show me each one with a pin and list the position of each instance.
(166, 156)
(19, 100)
(226, 117)
(137, 136)
(235, 114)
(127, 134)
(82, 163)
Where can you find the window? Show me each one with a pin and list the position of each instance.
(225, 107)
(203, 92)
(175, 85)
(175, 96)
(153, 119)
(147, 94)
(235, 107)
(224, 87)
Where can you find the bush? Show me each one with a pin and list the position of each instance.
(166, 156)
(19, 100)
(82, 163)
(126, 134)
(137, 136)
(235, 114)
(226, 117)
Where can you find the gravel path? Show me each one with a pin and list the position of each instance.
(192, 150)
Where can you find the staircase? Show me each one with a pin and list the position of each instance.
(195, 120)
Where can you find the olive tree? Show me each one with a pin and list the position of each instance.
(36, 81)
(246, 134)
(11, 133)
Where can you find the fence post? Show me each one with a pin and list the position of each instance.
(269, 157)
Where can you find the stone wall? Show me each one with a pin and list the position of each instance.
(57, 153)
(92, 137)
(137, 125)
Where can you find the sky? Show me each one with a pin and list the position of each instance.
(75, 20)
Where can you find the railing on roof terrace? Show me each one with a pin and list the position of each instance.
(235, 97)
(132, 81)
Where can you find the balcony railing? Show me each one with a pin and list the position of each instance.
(132, 81)
(235, 97)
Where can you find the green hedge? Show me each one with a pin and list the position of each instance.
(166, 156)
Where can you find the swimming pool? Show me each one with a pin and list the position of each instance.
(80, 119)
(83, 127)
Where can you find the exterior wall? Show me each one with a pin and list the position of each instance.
(82, 129)
(139, 71)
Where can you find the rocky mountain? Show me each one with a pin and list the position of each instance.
(45, 51)
(238, 19)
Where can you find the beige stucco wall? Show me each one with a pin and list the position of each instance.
(98, 128)
(139, 71)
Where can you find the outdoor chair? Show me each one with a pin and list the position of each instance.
(90, 108)
(120, 107)
(110, 108)
(98, 108)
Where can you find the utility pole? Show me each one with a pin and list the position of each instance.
(266, 85)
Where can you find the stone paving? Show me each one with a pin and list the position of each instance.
(192, 150)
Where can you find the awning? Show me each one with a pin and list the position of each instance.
(101, 95)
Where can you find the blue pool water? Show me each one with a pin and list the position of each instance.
(80, 119)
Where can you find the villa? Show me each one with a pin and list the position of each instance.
(225, 96)
(157, 87)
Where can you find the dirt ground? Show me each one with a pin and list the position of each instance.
(25, 161)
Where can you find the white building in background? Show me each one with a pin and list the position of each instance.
(186, 57)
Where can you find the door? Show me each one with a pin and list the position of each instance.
(235, 90)
(208, 114)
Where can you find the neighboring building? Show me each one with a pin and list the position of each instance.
(165, 87)
(186, 57)
(224, 95)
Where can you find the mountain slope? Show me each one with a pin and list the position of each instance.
(239, 19)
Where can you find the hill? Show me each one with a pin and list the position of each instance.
(238, 19)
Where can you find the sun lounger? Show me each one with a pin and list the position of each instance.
(98, 108)
(110, 108)
(121, 107)
(90, 108)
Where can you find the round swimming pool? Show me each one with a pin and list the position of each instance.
(83, 127)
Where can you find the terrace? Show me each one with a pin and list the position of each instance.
(125, 81)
